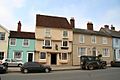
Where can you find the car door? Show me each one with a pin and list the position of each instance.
(14, 62)
(34, 66)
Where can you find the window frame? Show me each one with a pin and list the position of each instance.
(14, 42)
(23, 43)
(65, 34)
(63, 43)
(2, 55)
(44, 56)
(82, 38)
(93, 39)
(44, 43)
(104, 52)
(104, 40)
(17, 58)
(47, 32)
(2, 36)
(61, 56)
(79, 51)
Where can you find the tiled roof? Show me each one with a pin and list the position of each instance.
(23, 35)
(52, 22)
(113, 33)
(89, 32)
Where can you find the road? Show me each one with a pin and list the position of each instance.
(103, 74)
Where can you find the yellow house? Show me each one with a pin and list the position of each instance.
(54, 36)
(90, 42)
(4, 33)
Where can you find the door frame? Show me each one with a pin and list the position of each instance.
(30, 53)
(51, 57)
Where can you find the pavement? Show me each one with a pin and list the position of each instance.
(54, 68)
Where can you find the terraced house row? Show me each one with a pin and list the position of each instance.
(56, 41)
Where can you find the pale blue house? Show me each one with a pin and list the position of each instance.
(21, 45)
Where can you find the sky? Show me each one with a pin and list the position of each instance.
(99, 12)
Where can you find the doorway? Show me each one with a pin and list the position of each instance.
(30, 57)
(53, 59)
(94, 51)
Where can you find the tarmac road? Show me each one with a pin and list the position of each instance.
(101, 74)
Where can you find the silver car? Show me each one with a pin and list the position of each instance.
(13, 62)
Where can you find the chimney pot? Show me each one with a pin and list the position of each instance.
(112, 28)
(19, 26)
(90, 26)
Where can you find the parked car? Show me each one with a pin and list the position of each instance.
(3, 68)
(35, 67)
(3, 63)
(92, 62)
(115, 63)
(12, 62)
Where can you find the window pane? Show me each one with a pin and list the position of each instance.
(65, 43)
(13, 41)
(82, 51)
(47, 42)
(105, 52)
(64, 56)
(25, 42)
(93, 39)
(1, 55)
(47, 32)
(81, 38)
(2, 36)
(65, 33)
(17, 55)
(42, 55)
(104, 40)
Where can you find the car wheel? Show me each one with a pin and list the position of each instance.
(104, 66)
(90, 67)
(47, 70)
(25, 71)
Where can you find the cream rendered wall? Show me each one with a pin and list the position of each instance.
(56, 38)
(4, 43)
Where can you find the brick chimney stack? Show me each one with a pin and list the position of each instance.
(106, 26)
(72, 22)
(90, 26)
(19, 27)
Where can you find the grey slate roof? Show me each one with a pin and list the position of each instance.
(113, 33)
(89, 32)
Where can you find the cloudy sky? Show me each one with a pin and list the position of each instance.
(99, 12)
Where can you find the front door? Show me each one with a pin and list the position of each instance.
(53, 59)
(30, 57)
(94, 51)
